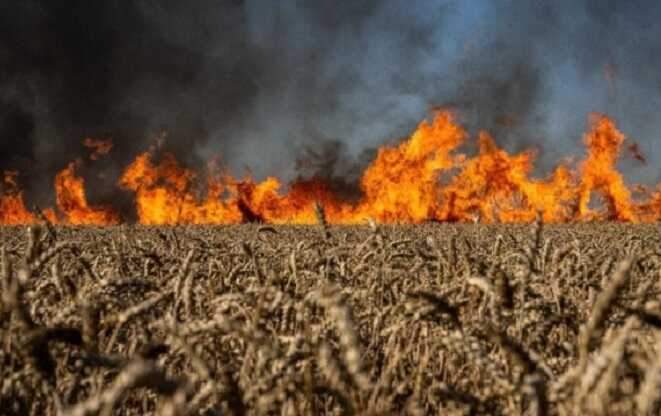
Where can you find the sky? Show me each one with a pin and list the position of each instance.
(295, 87)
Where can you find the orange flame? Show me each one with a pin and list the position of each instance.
(72, 202)
(402, 184)
(654, 209)
(423, 178)
(599, 173)
(70, 198)
(164, 195)
(495, 186)
(12, 206)
(99, 148)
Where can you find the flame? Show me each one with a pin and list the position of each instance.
(599, 172)
(164, 195)
(12, 206)
(401, 185)
(654, 208)
(99, 147)
(423, 178)
(72, 202)
(72, 206)
(495, 186)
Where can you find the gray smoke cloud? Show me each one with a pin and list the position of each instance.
(294, 87)
(530, 73)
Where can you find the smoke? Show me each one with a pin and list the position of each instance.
(121, 70)
(294, 87)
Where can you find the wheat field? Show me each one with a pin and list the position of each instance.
(433, 319)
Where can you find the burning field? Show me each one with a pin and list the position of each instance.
(457, 282)
(451, 319)
(428, 223)
(424, 178)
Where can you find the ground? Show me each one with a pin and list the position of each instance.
(250, 319)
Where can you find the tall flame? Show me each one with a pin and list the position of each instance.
(421, 179)
(599, 173)
(12, 206)
(402, 184)
(72, 202)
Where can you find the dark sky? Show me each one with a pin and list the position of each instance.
(263, 82)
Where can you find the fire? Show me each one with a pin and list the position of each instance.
(72, 206)
(655, 205)
(164, 194)
(12, 206)
(599, 173)
(401, 185)
(99, 147)
(424, 178)
(72, 202)
(496, 187)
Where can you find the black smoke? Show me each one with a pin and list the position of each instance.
(296, 87)
(121, 70)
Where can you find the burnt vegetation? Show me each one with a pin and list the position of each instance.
(338, 320)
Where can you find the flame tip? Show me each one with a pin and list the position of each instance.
(423, 178)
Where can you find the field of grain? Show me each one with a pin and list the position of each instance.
(317, 320)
